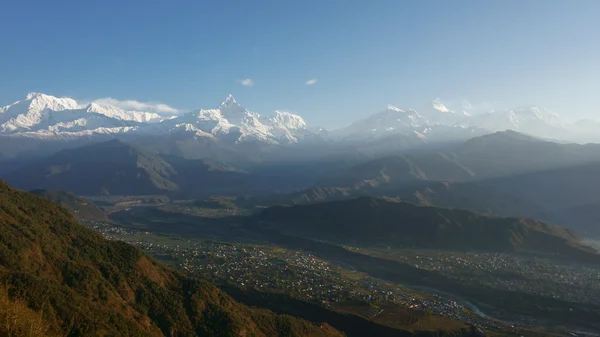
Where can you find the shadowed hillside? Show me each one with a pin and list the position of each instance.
(496, 155)
(82, 209)
(374, 221)
(112, 167)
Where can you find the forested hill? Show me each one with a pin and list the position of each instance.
(77, 283)
(379, 221)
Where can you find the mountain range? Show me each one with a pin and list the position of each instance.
(428, 179)
(434, 156)
(45, 117)
(103, 168)
(116, 167)
(122, 168)
(494, 155)
(502, 174)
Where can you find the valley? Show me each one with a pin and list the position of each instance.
(301, 275)
(493, 291)
(300, 169)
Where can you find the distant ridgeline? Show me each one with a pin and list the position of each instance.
(382, 222)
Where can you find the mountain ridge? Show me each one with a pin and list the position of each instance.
(484, 157)
(382, 221)
(46, 117)
(116, 167)
(434, 123)
(112, 167)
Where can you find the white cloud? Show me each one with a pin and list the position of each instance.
(311, 81)
(247, 82)
(159, 108)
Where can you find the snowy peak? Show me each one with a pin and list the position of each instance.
(38, 102)
(120, 114)
(289, 120)
(45, 115)
(97, 108)
(34, 109)
(393, 108)
(285, 127)
(229, 100)
(232, 111)
(535, 112)
(31, 95)
(397, 113)
(230, 104)
(392, 120)
(531, 120)
(230, 118)
(440, 107)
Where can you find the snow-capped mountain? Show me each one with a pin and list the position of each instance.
(532, 120)
(43, 116)
(438, 113)
(437, 122)
(234, 121)
(391, 121)
(286, 126)
(118, 113)
(34, 109)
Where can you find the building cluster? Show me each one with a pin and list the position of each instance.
(296, 273)
(304, 276)
(533, 275)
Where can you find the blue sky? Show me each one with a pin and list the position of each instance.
(363, 54)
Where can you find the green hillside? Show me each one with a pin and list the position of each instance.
(83, 285)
